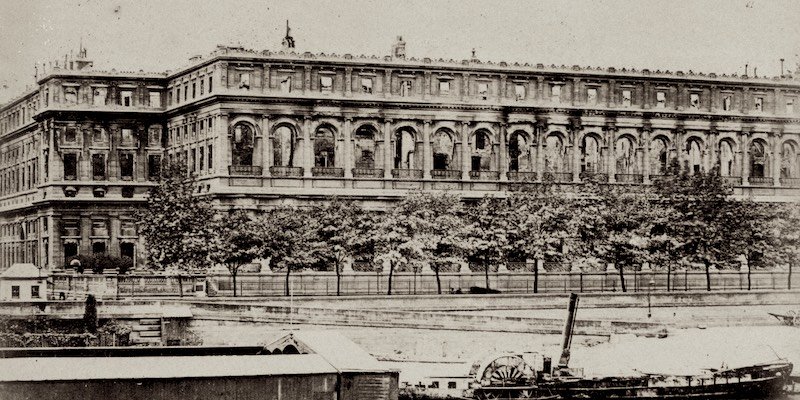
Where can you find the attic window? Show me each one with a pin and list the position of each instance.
(71, 135)
(519, 91)
(405, 88)
(759, 104)
(326, 83)
(286, 84)
(366, 85)
(661, 100)
(444, 87)
(626, 98)
(483, 90)
(694, 100)
(790, 106)
(244, 80)
(555, 93)
(70, 95)
(726, 103)
(591, 96)
(126, 98)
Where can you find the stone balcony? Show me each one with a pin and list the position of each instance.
(557, 177)
(790, 182)
(403, 173)
(446, 174)
(363, 172)
(760, 181)
(522, 176)
(331, 172)
(484, 175)
(284, 172)
(593, 177)
(629, 178)
(245, 170)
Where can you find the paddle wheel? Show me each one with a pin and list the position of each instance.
(506, 377)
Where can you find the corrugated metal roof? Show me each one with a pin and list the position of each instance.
(20, 270)
(339, 351)
(94, 368)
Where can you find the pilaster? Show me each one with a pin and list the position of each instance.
(388, 158)
(503, 153)
(427, 156)
(266, 146)
(348, 148)
(465, 156)
(308, 150)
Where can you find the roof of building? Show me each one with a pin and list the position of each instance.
(24, 271)
(83, 368)
(341, 352)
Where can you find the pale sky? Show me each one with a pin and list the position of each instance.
(704, 36)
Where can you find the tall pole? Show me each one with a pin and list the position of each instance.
(649, 289)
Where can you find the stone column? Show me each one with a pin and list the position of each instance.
(85, 247)
(503, 153)
(646, 132)
(576, 90)
(307, 79)
(574, 139)
(464, 93)
(223, 155)
(113, 234)
(679, 132)
(540, 132)
(540, 89)
(348, 148)
(388, 158)
(387, 84)
(611, 165)
(610, 95)
(308, 148)
(348, 85)
(427, 154)
(713, 153)
(266, 146)
(776, 157)
(465, 153)
(745, 143)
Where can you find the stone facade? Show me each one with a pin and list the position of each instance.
(79, 151)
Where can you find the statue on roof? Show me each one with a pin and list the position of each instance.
(288, 40)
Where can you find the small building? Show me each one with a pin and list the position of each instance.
(23, 282)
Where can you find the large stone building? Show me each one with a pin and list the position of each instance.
(80, 150)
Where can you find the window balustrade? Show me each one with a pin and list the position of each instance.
(245, 170)
(760, 181)
(557, 177)
(368, 172)
(281, 171)
(484, 175)
(402, 173)
(522, 176)
(733, 180)
(328, 171)
(629, 178)
(446, 174)
(593, 176)
(790, 182)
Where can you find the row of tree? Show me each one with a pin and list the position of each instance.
(682, 220)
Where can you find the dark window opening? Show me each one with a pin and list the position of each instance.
(480, 141)
(126, 166)
(476, 163)
(99, 166)
(70, 167)
(242, 145)
(210, 157)
(127, 249)
(440, 161)
(15, 292)
(70, 251)
(153, 167)
(71, 135)
(98, 247)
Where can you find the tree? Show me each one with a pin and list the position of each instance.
(337, 221)
(487, 233)
(290, 241)
(90, 314)
(237, 241)
(176, 223)
(393, 240)
(703, 210)
(787, 231)
(753, 228)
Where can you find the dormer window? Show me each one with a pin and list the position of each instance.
(444, 87)
(405, 88)
(483, 90)
(694, 101)
(244, 80)
(555, 93)
(591, 96)
(366, 85)
(626, 98)
(126, 98)
(727, 101)
(99, 96)
(661, 99)
(759, 104)
(519, 91)
(326, 84)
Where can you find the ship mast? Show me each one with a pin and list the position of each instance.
(563, 362)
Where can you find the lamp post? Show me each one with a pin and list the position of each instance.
(649, 289)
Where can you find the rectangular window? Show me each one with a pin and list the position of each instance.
(126, 98)
(759, 104)
(366, 85)
(591, 96)
(555, 93)
(35, 291)
(210, 84)
(192, 161)
(155, 99)
(210, 157)
(99, 96)
(326, 84)
(153, 167)
(626, 98)
(70, 95)
(71, 135)
(98, 135)
(202, 86)
(727, 100)
(194, 89)
(444, 87)
(286, 84)
(244, 80)
(483, 90)
(127, 136)
(14, 292)
(99, 227)
(694, 101)
(519, 91)
(405, 88)
(127, 228)
(790, 106)
(178, 95)
(126, 166)
(661, 99)
(99, 167)
(202, 160)
(70, 167)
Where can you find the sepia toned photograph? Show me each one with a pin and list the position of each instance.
(399, 199)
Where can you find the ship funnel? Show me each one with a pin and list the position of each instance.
(563, 362)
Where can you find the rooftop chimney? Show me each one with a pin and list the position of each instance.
(399, 48)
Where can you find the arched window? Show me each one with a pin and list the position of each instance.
(789, 161)
(324, 147)
(283, 143)
(555, 155)
(590, 155)
(242, 144)
(727, 159)
(404, 149)
(695, 155)
(481, 151)
(658, 156)
(365, 147)
(518, 152)
(443, 149)
(625, 156)
(759, 162)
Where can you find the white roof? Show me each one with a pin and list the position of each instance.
(83, 368)
(23, 271)
(339, 351)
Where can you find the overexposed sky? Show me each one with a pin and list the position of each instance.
(709, 36)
